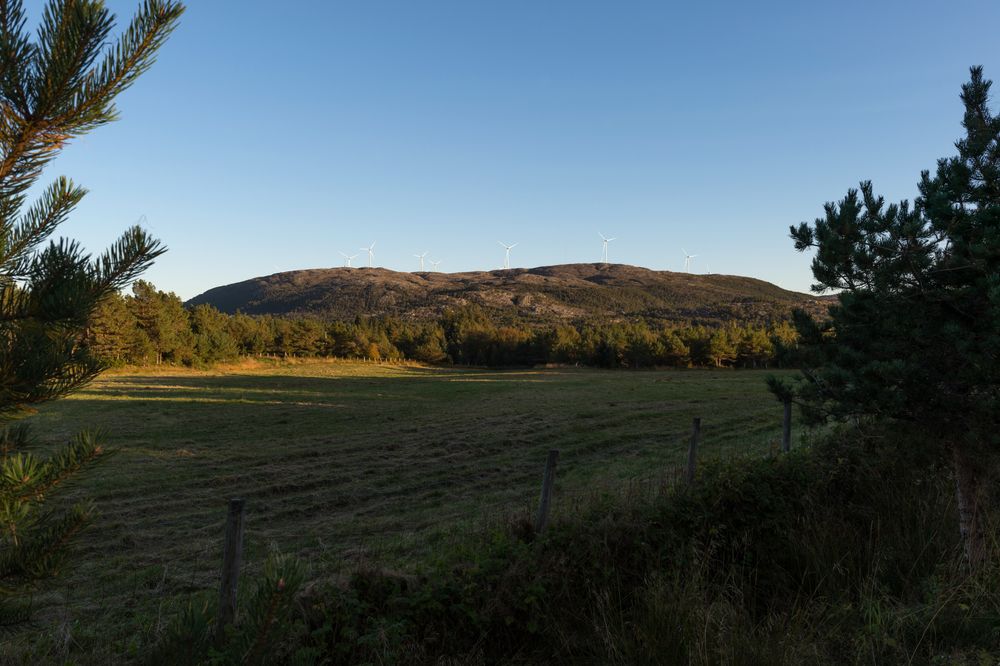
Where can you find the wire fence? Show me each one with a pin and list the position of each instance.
(465, 524)
(530, 514)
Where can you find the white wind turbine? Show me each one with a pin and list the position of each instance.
(508, 248)
(348, 258)
(435, 264)
(604, 250)
(687, 260)
(371, 253)
(421, 258)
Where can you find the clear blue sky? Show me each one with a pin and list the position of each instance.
(270, 136)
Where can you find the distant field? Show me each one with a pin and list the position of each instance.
(343, 461)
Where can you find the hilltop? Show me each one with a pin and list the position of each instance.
(569, 293)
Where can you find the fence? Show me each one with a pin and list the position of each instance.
(232, 556)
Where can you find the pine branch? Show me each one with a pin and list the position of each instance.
(52, 90)
(21, 476)
(69, 462)
(13, 438)
(70, 104)
(40, 556)
(15, 51)
(131, 56)
(28, 147)
(51, 210)
(64, 286)
(61, 285)
(16, 519)
(32, 544)
(14, 302)
(39, 368)
(70, 40)
(124, 261)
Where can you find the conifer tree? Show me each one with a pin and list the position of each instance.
(54, 87)
(915, 336)
(113, 331)
(164, 321)
(212, 342)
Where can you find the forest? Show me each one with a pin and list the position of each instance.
(149, 327)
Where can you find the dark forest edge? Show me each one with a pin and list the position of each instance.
(149, 327)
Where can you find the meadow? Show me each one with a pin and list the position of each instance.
(345, 463)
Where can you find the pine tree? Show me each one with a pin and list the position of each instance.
(915, 336)
(113, 332)
(754, 347)
(212, 341)
(164, 321)
(54, 88)
(675, 352)
(722, 346)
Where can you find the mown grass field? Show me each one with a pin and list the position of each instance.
(346, 462)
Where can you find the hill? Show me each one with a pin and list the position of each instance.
(570, 293)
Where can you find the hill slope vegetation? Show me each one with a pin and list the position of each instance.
(568, 293)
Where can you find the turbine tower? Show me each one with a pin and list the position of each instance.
(348, 258)
(604, 250)
(687, 260)
(371, 253)
(421, 258)
(508, 248)
(435, 264)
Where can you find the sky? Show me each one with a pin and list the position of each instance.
(273, 136)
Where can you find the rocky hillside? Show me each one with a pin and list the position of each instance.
(571, 292)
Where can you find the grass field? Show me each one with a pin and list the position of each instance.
(344, 461)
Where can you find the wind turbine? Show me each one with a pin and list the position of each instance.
(371, 253)
(687, 260)
(604, 252)
(435, 264)
(421, 258)
(506, 260)
(348, 258)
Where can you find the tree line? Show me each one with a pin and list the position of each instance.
(150, 326)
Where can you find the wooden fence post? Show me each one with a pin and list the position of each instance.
(693, 449)
(232, 559)
(548, 481)
(786, 428)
